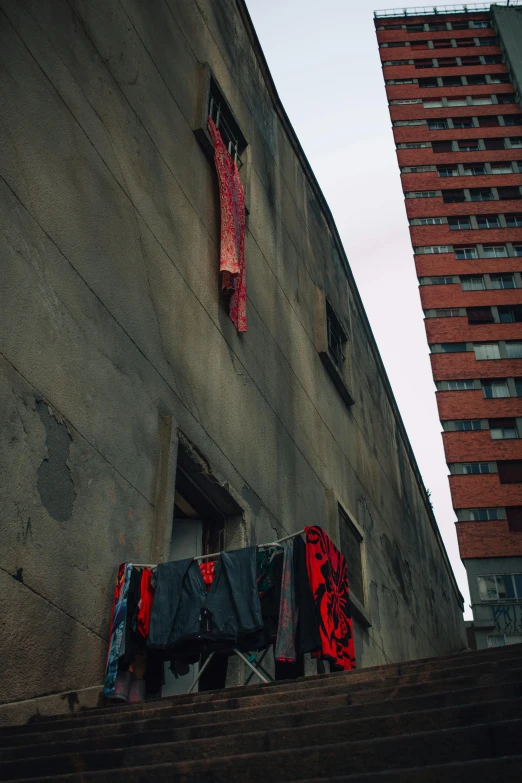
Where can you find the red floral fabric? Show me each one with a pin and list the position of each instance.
(232, 251)
(207, 572)
(328, 578)
(145, 604)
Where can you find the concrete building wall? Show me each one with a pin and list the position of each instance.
(493, 618)
(116, 343)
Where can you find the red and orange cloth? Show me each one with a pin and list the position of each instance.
(232, 250)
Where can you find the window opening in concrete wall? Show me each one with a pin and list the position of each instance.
(350, 543)
(500, 587)
(336, 337)
(225, 122)
(503, 639)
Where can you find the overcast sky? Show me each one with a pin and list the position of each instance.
(325, 63)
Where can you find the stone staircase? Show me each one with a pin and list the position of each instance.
(448, 719)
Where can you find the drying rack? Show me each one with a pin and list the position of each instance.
(254, 665)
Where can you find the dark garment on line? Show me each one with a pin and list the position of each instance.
(285, 642)
(183, 609)
(307, 637)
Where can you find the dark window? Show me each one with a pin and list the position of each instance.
(395, 44)
(460, 26)
(475, 468)
(470, 424)
(451, 81)
(510, 98)
(510, 472)
(481, 194)
(514, 221)
(479, 315)
(488, 121)
(508, 193)
(464, 42)
(442, 43)
(518, 386)
(436, 26)
(459, 223)
(512, 119)
(514, 518)
(488, 221)
(468, 145)
(490, 40)
(500, 78)
(453, 196)
(477, 78)
(470, 61)
(453, 347)
(336, 337)
(494, 144)
(428, 83)
(495, 388)
(350, 540)
(441, 146)
(448, 171)
(462, 122)
(225, 122)
(414, 28)
(493, 59)
(424, 63)
(441, 280)
(474, 170)
(510, 314)
(437, 124)
(447, 62)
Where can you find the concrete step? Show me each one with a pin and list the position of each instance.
(506, 768)
(110, 752)
(482, 741)
(291, 714)
(417, 671)
(367, 689)
(338, 695)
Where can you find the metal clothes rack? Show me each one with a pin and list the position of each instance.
(258, 670)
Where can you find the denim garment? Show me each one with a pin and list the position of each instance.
(183, 609)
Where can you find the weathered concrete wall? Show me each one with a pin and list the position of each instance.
(111, 319)
(508, 24)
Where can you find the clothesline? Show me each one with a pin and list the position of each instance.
(216, 554)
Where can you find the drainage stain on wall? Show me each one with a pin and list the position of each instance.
(55, 484)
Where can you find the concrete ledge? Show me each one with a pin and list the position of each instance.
(29, 710)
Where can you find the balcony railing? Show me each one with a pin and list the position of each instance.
(436, 10)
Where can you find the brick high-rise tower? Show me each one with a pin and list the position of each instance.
(453, 80)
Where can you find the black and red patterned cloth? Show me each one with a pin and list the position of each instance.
(328, 577)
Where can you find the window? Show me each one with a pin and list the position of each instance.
(486, 351)
(500, 587)
(350, 541)
(499, 78)
(510, 472)
(462, 253)
(473, 468)
(453, 347)
(512, 119)
(424, 194)
(490, 40)
(488, 221)
(494, 144)
(510, 314)
(451, 81)
(488, 121)
(515, 142)
(518, 386)
(459, 26)
(481, 100)
(480, 23)
(401, 81)
(483, 514)
(448, 171)
(474, 170)
(441, 280)
(423, 63)
(437, 124)
(414, 28)
(442, 43)
(502, 281)
(428, 83)
(396, 62)
(479, 315)
(514, 221)
(462, 385)
(514, 518)
(441, 146)
(495, 251)
(404, 101)
(503, 429)
(476, 79)
(508, 98)
(336, 338)
(503, 639)
(225, 122)
(481, 194)
(413, 145)
(468, 425)
(470, 60)
(409, 122)
(468, 145)
(492, 59)
(493, 390)
(432, 104)
(435, 26)
(517, 250)
(462, 122)
(501, 168)
(514, 350)
(508, 193)
(430, 221)
(452, 312)
(472, 283)
(464, 42)
(457, 102)
(395, 44)
(453, 196)
(447, 62)
(434, 249)
(459, 224)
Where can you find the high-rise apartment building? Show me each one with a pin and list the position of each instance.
(454, 79)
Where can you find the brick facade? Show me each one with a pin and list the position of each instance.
(475, 539)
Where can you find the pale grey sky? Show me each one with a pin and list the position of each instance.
(325, 63)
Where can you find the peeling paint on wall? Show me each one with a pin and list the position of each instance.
(55, 484)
